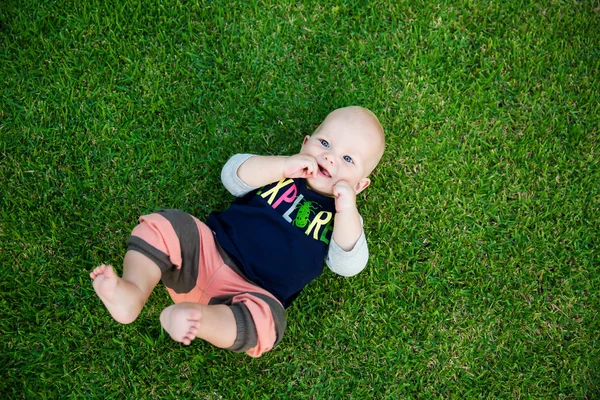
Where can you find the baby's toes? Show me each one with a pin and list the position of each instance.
(97, 271)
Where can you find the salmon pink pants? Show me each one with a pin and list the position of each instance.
(195, 269)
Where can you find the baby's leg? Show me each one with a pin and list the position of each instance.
(214, 323)
(125, 297)
(250, 322)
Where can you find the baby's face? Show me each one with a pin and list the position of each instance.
(346, 147)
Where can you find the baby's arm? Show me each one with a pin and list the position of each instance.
(245, 172)
(348, 252)
(347, 226)
(262, 170)
(230, 178)
(348, 263)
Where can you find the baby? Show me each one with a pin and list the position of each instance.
(232, 278)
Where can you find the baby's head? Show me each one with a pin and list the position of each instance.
(347, 146)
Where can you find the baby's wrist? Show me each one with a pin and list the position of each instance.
(347, 211)
(282, 160)
(345, 205)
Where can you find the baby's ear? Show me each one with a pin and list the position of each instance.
(305, 139)
(362, 185)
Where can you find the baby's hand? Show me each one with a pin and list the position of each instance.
(300, 166)
(345, 196)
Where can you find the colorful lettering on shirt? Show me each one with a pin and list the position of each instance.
(286, 216)
(275, 189)
(328, 228)
(317, 224)
(288, 196)
(321, 219)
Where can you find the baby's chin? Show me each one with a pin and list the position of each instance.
(319, 187)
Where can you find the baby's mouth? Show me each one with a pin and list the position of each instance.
(324, 172)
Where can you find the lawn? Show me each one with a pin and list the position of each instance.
(483, 218)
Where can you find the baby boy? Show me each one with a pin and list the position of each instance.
(232, 277)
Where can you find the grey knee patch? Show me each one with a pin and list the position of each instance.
(181, 280)
(141, 246)
(184, 279)
(247, 336)
(278, 313)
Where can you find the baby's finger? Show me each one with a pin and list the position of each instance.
(312, 167)
(340, 185)
(306, 171)
(337, 191)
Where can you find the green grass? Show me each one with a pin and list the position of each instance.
(483, 218)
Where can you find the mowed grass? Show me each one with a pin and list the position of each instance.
(483, 217)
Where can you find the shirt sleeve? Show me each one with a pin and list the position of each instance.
(230, 178)
(348, 263)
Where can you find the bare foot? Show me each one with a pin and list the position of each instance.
(182, 321)
(119, 296)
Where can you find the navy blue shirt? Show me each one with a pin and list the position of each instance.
(278, 235)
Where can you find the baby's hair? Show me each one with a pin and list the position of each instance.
(359, 110)
(373, 118)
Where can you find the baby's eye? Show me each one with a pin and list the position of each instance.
(348, 159)
(325, 143)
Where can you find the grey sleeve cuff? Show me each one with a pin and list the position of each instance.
(348, 263)
(231, 180)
